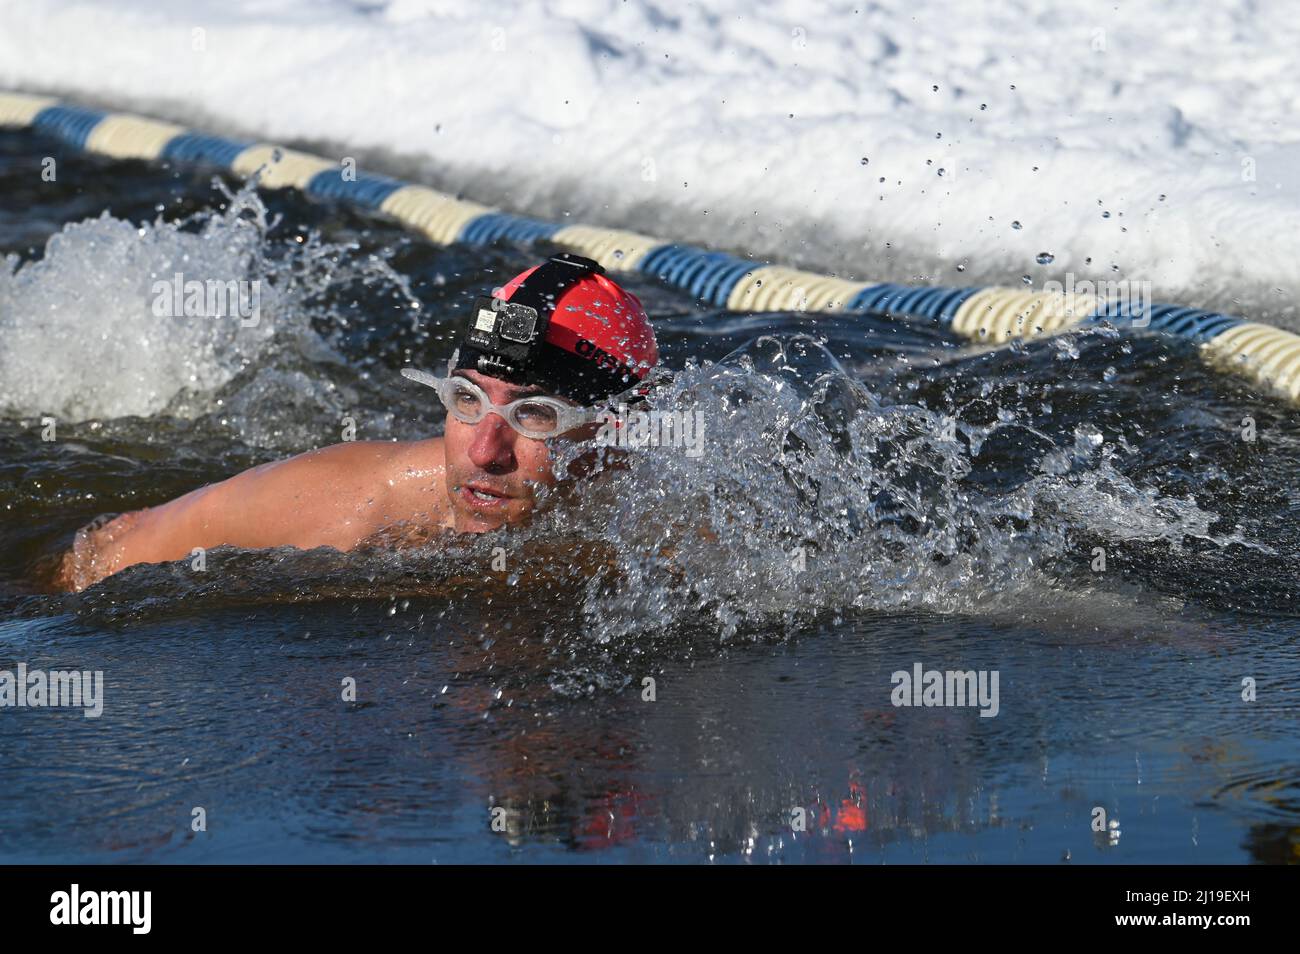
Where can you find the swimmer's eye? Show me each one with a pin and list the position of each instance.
(537, 416)
(465, 400)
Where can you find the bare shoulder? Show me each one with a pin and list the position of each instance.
(338, 496)
(360, 460)
(393, 481)
(416, 470)
(416, 506)
(334, 496)
(363, 466)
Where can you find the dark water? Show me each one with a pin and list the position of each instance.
(523, 691)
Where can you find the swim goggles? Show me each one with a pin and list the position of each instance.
(535, 416)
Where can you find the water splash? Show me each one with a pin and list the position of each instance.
(817, 493)
(814, 497)
(81, 338)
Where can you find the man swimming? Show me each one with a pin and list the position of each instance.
(536, 363)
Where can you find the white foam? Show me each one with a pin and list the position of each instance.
(80, 336)
(745, 125)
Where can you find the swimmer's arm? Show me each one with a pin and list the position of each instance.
(328, 497)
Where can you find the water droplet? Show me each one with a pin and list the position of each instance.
(1016, 225)
(865, 160)
(961, 268)
(1026, 279)
(1045, 258)
(984, 105)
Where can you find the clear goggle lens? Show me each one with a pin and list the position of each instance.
(537, 417)
(469, 404)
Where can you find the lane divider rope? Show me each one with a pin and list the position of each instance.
(1268, 356)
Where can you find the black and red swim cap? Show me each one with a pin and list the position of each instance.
(564, 326)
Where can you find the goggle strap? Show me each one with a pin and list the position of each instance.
(422, 377)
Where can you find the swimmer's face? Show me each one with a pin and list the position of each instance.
(493, 472)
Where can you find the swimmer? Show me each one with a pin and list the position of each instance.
(537, 362)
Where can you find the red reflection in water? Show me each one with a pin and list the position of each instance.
(610, 821)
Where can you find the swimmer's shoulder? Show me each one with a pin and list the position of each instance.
(364, 464)
(418, 485)
(415, 508)
(365, 485)
(410, 472)
(416, 464)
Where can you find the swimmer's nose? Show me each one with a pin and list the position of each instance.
(493, 446)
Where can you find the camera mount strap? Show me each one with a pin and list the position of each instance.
(506, 339)
(542, 289)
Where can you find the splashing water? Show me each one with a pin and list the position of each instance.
(814, 496)
(809, 494)
(85, 334)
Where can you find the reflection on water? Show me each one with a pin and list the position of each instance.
(880, 498)
(243, 715)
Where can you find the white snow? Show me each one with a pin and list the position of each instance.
(745, 125)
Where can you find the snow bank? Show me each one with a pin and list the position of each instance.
(890, 140)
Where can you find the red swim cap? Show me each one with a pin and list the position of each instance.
(568, 328)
